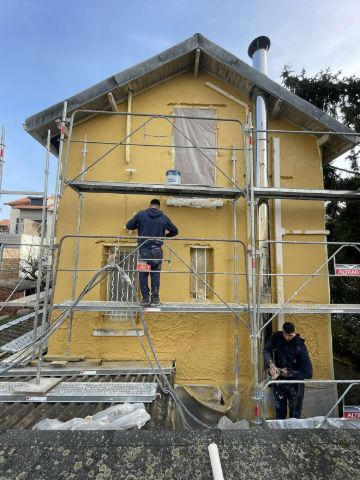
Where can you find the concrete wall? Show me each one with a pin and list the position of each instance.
(201, 344)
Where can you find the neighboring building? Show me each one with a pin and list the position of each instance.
(4, 226)
(193, 79)
(29, 208)
(21, 251)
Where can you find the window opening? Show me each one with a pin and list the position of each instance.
(202, 264)
(118, 290)
(194, 167)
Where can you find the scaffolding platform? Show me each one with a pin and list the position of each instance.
(20, 342)
(100, 306)
(260, 193)
(26, 302)
(89, 369)
(83, 392)
(263, 193)
(83, 186)
(110, 306)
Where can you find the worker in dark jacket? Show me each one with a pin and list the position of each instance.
(151, 223)
(286, 357)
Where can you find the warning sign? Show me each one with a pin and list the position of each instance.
(352, 412)
(143, 267)
(345, 270)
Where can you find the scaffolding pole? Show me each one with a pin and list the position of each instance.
(52, 242)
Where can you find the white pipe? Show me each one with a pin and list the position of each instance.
(215, 462)
(260, 60)
(278, 232)
(227, 95)
(128, 130)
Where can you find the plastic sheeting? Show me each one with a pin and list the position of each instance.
(118, 417)
(318, 400)
(211, 203)
(315, 422)
(195, 168)
(226, 424)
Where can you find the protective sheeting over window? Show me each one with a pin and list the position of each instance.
(202, 264)
(195, 168)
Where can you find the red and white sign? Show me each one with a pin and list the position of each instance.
(344, 270)
(351, 412)
(143, 267)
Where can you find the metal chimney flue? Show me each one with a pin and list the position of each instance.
(257, 51)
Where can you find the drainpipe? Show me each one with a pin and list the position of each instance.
(278, 233)
(258, 52)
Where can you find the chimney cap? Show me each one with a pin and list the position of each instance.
(257, 43)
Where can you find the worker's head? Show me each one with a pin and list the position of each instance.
(289, 331)
(155, 203)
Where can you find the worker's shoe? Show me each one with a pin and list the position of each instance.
(145, 303)
(155, 301)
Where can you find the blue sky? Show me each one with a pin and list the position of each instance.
(50, 50)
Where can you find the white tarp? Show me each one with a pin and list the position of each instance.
(315, 422)
(118, 417)
(195, 168)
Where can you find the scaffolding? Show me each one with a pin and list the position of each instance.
(259, 314)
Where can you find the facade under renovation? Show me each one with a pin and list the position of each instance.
(236, 162)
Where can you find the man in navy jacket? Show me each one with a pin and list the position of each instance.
(151, 223)
(286, 356)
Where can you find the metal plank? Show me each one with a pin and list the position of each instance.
(305, 194)
(159, 189)
(88, 369)
(99, 306)
(213, 308)
(302, 308)
(19, 343)
(83, 392)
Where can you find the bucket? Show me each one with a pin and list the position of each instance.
(173, 177)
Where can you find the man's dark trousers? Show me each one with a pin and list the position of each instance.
(288, 392)
(152, 255)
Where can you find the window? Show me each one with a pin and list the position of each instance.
(202, 263)
(19, 226)
(195, 168)
(118, 290)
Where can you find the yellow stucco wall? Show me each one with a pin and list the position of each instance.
(201, 344)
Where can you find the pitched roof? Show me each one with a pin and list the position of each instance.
(25, 203)
(179, 59)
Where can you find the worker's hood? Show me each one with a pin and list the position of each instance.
(154, 212)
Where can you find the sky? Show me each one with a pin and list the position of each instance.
(51, 50)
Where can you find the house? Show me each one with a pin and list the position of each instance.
(199, 96)
(29, 209)
(4, 226)
(20, 243)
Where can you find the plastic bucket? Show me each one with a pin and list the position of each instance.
(173, 177)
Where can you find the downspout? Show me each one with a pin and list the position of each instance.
(280, 296)
(235, 285)
(258, 52)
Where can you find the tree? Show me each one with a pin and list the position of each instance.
(339, 96)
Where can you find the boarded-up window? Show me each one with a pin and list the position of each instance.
(118, 290)
(195, 168)
(201, 263)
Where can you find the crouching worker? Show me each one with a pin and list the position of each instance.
(286, 357)
(151, 223)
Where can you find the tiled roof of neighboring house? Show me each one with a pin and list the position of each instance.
(5, 222)
(179, 59)
(25, 203)
(19, 202)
